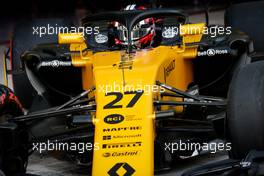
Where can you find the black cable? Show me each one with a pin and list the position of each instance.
(83, 94)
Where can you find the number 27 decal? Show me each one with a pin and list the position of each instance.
(119, 96)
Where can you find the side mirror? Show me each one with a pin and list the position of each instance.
(192, 29)
(71, 38)
(191, 34)
(79, 55)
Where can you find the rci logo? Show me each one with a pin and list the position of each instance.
(129, 170)
(114, 118)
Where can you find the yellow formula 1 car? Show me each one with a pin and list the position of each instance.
(135, 105)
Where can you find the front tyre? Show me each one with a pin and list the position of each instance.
(245, 111)
(13, 137)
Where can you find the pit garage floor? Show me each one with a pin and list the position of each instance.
(46, 165)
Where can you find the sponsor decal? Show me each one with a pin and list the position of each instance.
(169, 69)
(132, 118)
(55, 63)
(106, 154)
(126, 136)
(132, 128)
(125, 65)
(123, 153)
(212, 52)
(114, 170)
(109, 137)
(100, 38)
(169, 33)
(122, 145)
(114, 118)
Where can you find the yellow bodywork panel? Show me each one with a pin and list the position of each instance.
(5, 71)
(125, 89)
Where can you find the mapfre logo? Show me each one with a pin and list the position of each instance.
(132, 128)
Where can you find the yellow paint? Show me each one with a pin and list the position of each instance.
(170, 65)
(5, 72)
